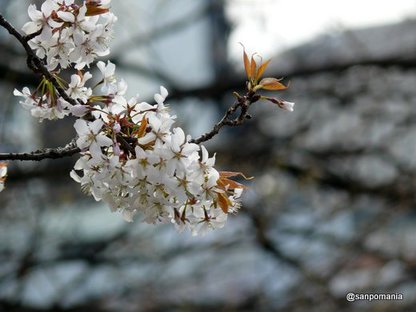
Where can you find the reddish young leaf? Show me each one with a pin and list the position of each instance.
(272, 84)
(227, 183)
(228, 174)
(247, 65)
(143, 125)
(253, 67)
(261, 69)
(93, 9)
(223, 202)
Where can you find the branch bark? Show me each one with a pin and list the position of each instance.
(46, 153)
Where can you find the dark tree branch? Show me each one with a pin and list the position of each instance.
(31, 36)
(46, 153)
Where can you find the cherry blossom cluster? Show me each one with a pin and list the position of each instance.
(69, 33)
(66, 35)
(136, 162)
(132, 156)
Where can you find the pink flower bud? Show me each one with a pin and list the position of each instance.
(117, 127)
(289, 106)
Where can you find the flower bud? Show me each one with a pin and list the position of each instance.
(289, 106)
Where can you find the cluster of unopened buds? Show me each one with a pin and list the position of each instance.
(132, 156)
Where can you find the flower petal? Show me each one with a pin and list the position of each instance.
(66, 16)
(102, 140)
(96, 126)
(81, 126)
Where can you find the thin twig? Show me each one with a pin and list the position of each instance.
(125, 144)
(243, 103)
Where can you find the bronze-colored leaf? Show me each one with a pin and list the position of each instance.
(143, 125)
(228, 174)
(93, 10)
(247, 65)
(224, 202)
(272, 84)
(224, 183)
(227, 183)
(253, 67)
(261, 69)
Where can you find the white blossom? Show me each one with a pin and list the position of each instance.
(89, 136)
(109, 80)
(77, 89)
